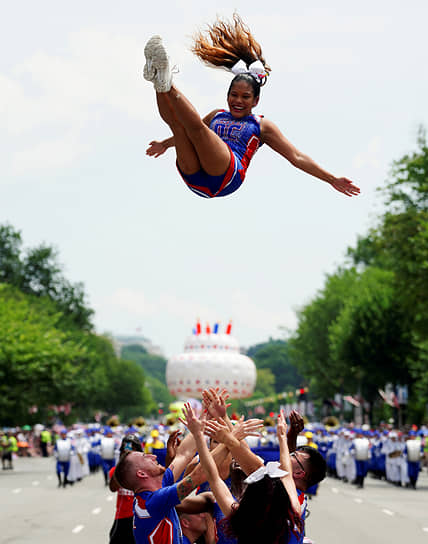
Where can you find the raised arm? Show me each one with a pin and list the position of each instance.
(184, 454)
(248, 461)
(171, 447)
(296, 427)
(215, 404)
(285, 461)
(273, 137)
(218, 487)
(197, 475)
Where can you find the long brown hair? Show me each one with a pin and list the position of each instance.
(224, 43)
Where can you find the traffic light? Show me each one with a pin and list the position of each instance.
(301, 394)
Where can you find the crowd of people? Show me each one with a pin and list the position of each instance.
(167, 493)
(243, 470)
(214, 496)
(351, 452)
(394, 456)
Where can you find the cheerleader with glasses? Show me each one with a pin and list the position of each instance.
(213, 153)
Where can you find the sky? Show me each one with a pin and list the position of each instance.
(348, 87)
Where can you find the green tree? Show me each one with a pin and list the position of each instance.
(265, 384)
(309, 347)
(10, 262)
(113, 385)
(36, 271)
(274, 357)
(367, 339)
(153, 365)
(49, 354)
(399, 243)
(162, 398)
(37, 359)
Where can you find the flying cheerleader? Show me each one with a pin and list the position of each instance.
(213, 153)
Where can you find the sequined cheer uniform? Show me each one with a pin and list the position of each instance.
(243, 139)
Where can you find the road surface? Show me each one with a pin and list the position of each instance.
(33, 510)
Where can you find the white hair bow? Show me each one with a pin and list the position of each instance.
(256, 69)
(271, 469)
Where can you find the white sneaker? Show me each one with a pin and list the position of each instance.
(157, 63)
(148, 71)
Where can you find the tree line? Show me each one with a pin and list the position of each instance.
(50, 355)
(368, 325)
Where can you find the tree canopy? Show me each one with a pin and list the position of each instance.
(49, 353)
(367, 326)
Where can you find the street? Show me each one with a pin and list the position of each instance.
(378, 514)
(35, 511)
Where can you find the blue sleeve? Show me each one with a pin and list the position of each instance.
(203, 487)
(161, 501)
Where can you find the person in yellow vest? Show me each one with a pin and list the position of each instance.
(45, 441)
(10, 446)
(4, 446)
(154, 443)
(309, 435)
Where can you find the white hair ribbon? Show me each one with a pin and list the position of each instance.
(271, 469)
(256, 69)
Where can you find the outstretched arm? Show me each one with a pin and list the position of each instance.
(274, 138)
(284, 459)
(184, 454)
(248, 461)
(296, 427)
(197, 474)
(218, 487)
(171, 447)
(156, 149)
(215, 404)
(196, 504)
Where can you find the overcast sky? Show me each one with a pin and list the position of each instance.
(349, 87)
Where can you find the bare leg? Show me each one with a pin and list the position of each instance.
(187, 158)
(212, 152)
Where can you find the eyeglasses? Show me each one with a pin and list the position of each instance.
(294, 454)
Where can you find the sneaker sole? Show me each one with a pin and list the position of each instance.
(158, 57)
(149, 71)
(154, 40)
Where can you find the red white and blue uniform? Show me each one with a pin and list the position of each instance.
(293, 536)
(63, 450)
(243, 139)
(155, 518)
(122, 529)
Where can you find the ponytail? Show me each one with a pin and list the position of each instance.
(225, 43)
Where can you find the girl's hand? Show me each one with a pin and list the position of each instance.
(215, 402)
(217, 430)
(251, 427)
(191, 421)
(345, 186)
(156, 149)
(281, 428)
